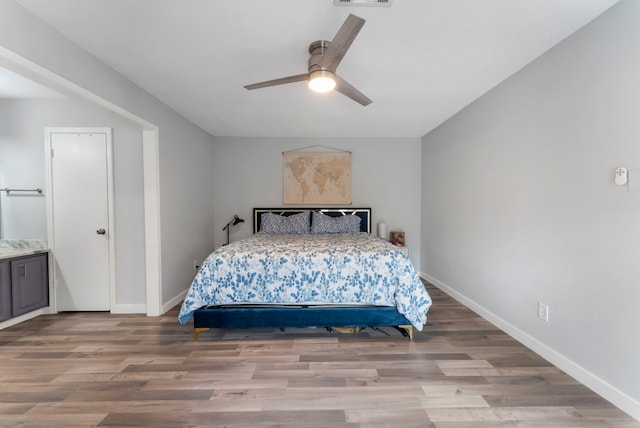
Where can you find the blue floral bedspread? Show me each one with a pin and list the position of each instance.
(356, 268)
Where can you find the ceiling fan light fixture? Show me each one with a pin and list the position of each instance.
(323, 61)
(322, 81)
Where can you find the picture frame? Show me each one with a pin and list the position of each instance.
(396, 237)
(316, 178)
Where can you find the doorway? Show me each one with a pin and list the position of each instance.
(80, 203)
(151, 165)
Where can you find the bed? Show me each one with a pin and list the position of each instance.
(307, 267)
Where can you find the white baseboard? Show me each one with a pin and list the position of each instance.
(582, 375)
(176, 300)
(140, 308)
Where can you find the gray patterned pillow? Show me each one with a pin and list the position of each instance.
(280, 225)
(322, 223)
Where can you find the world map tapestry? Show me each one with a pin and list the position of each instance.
(317, 178)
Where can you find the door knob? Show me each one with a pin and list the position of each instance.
(101, 231)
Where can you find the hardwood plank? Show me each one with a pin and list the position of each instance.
(53, 421)
(411, 418)
(268, 418)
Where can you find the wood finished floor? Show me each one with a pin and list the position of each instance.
(96, 369)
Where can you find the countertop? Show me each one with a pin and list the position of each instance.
(10, 248)
(19, 253)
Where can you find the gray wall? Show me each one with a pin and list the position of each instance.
(385, 175)
(22, 164)
(519, 205)
(22, 215)
(184, 149)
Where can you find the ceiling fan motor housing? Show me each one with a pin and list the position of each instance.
(317, 49)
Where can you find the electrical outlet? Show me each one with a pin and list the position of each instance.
(543, 312)
(196, 265)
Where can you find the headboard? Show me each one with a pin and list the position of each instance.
(363, 213)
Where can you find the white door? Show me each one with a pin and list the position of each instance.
(80, 219)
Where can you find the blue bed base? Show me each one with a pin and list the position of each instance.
(299, 316)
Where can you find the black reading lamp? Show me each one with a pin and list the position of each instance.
(235, 220)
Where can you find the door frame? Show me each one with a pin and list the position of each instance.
(111, 235)
(151, 164)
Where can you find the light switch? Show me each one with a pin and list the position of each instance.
(620, 177)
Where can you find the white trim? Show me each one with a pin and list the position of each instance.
(112, 216)
(48, 189)
(31, 70)
(129, 309)
(153, 255)
(175, 301)
(582, 375)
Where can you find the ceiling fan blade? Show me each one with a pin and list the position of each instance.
(281, 81)
(341, 42)
(346, 89)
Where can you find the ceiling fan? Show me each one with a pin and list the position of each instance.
(324, 60)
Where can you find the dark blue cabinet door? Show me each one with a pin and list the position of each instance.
(5, 291)
(29, 284)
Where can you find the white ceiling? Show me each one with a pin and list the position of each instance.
(420, 61)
